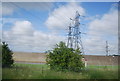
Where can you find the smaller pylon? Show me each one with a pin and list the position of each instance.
(107, 51)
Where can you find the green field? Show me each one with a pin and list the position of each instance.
(42, 71)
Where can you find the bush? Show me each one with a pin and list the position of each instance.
(63, 58)
(7, 60)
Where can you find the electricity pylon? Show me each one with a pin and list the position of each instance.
(74, 34)
(70, 37)
(107, 48)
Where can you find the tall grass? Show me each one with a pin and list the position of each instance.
(42, 71)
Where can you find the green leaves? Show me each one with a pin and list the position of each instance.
(63, 58)
(7, 60)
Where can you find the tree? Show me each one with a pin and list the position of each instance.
(64, 58)
(7, 60)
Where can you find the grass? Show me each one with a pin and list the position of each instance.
(42, 71)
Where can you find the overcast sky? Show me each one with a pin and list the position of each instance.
(38, 26)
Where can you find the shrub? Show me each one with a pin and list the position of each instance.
(7, 60)
(63, 58)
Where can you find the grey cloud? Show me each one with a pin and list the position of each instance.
(22, 37)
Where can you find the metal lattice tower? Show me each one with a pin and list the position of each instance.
(70, 37)
(74, 34)
(107, 48)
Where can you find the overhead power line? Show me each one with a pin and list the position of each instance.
(32, 15)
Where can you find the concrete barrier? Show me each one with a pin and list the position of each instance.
(41, 58)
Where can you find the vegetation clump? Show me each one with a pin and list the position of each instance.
(7, 60)
(63, 58)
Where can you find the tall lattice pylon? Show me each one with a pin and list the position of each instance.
(74, 34)
(70, 37)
